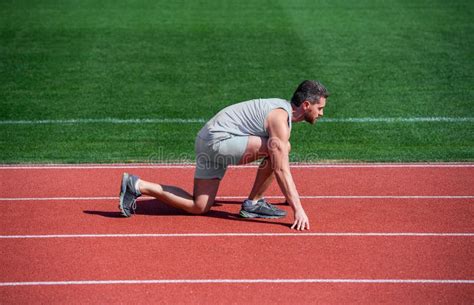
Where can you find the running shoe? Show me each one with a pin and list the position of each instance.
(128, 195)
(262, 209)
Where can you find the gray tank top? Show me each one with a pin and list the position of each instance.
(243, 119)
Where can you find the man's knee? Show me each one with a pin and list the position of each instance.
(201, 208)
(200, 211)
(289, 146)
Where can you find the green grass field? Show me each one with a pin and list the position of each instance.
(143, 59)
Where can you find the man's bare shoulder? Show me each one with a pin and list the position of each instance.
(276, 123)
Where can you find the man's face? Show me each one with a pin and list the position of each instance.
(314, 111)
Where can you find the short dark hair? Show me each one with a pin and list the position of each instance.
(309, 90)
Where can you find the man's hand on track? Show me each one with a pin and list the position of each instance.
(301, 221)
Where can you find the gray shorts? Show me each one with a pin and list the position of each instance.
(212, 159)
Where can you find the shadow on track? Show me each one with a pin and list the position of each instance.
(153, 207)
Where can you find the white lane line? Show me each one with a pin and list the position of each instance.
(188, 235)
(398, 120)
(106, 121)
(203, 120)
(63, 198)
(359, 197)
(236, 197)
(243, 281)
(192, 166)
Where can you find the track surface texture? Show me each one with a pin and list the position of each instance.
(380, 234)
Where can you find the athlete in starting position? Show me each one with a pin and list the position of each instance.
(240, 134)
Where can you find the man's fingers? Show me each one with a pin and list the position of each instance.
(300, 225)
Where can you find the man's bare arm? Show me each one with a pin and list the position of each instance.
(279, 149)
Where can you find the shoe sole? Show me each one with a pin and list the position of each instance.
(123, 189)
(245, 214)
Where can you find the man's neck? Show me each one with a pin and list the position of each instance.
(296, 115)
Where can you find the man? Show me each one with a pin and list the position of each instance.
(240, 134)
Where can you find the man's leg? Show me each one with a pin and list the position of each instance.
(205, 191)
(257, 148)
(263, 180)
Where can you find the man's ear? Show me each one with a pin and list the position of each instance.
(306, 104)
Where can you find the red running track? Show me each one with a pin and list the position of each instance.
(391, 234)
